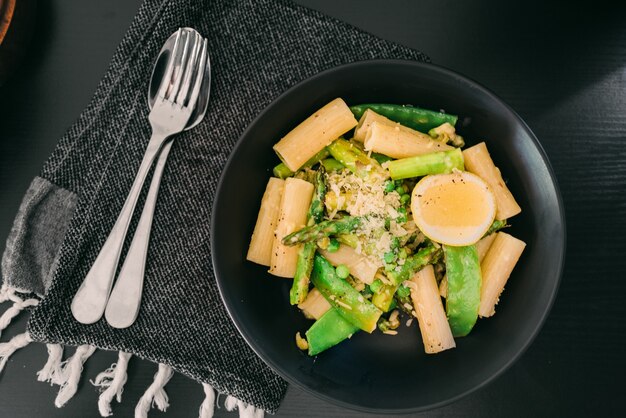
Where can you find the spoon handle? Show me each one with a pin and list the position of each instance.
(90, 300)
(123, 305)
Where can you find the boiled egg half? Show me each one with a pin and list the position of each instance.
(453, 209)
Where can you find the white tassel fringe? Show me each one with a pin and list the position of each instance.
(7, 349)
(245, 411)
(112, 380)
(4, 293)
(155, 394)
(70, 375)
(208, 405)
(19, 305)
(51, 371)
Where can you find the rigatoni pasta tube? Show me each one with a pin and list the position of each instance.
(315, 305)
(294, 205)
(360, 266)
(262, 241)
(369, 117)
(479, 162)
(400, 142)
(314, 133)
(433, 323)
(496, 268)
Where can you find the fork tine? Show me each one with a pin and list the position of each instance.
(167, 77)
(190, 69)
(204, 58)
(182, 66)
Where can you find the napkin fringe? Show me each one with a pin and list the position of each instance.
(71, 372)
(155, 394)
(208, 405)
(19, 304)
(245, 410)
(112, 382)
(52, 370)
(7, 349)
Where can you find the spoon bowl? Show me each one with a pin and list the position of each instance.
(160, 67)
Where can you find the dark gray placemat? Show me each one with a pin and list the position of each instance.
(258, 50)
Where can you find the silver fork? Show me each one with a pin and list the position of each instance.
(123, 305)
(172, 109)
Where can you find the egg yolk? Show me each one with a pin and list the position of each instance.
(455, 204)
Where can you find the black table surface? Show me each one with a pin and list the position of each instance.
(560, 66)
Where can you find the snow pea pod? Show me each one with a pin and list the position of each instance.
(416, 118)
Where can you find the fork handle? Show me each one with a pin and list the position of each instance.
(123, 305)
(90, 300)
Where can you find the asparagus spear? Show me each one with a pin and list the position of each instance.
(329, 330)
(352, 306)
(464, 281)
(442, 162)
(304, 265)
(413, 263)
(355, 159)
(447, 134)
(323, 229)
(282, 171)
(330, 164)
(496, 226)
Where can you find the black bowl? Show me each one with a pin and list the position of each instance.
(382, 373)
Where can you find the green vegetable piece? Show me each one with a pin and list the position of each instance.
(330, 164)
(416, 118)
(333, 246)
(402, 211)
(355, 159)
(442, 162)
(343, 297)
(389, 186)
(464, 281)
(389, 257)
(300, 286)
(350, 240)
(329, 330)
(414, 263)
(404, 199)
(397, 274)
(282, 171)
(323, 229)
(376, 286)
(447, 134)
(403, 291)
(381, 158)
(400, 190)
(496, 226)
(342, 271)
(384, 298)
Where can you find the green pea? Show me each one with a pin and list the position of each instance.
(342, 271)
(400, 190)
(389, 186)
(376, 286)
(405, 198)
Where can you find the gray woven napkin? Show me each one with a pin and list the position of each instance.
(258, 49)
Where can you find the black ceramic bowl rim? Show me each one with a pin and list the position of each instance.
(276, 366)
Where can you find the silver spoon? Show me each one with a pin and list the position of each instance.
(123, 305)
